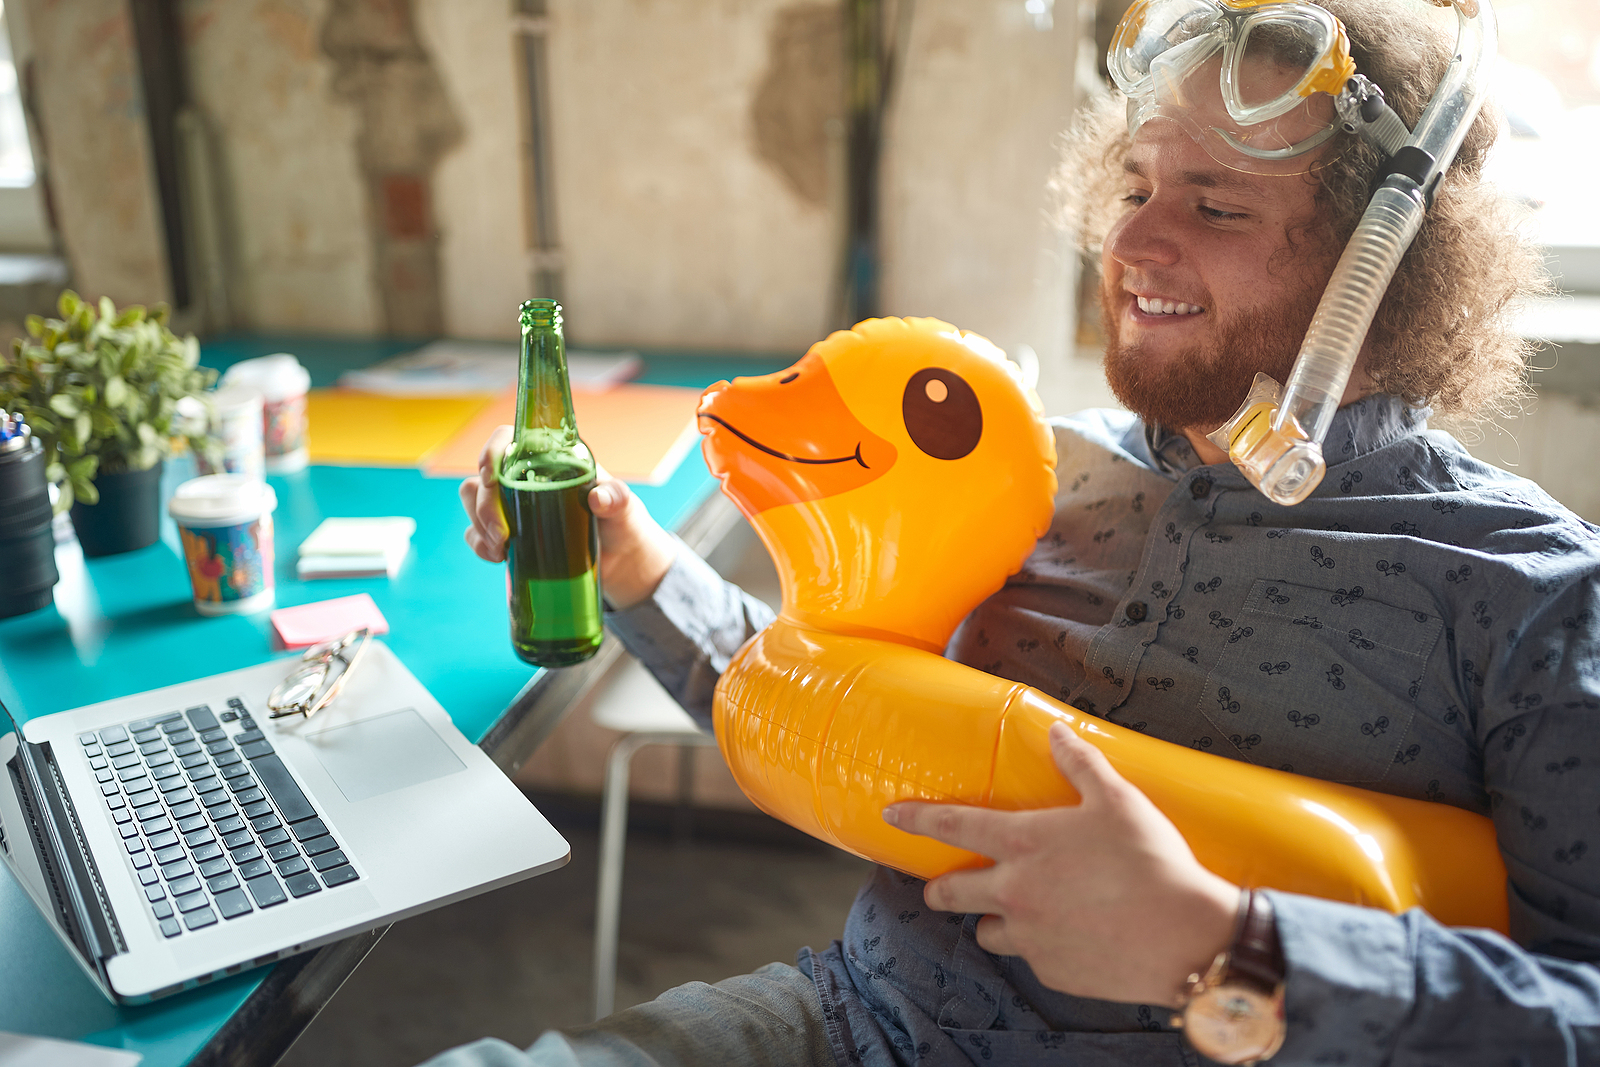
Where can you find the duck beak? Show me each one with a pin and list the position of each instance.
(787, 437)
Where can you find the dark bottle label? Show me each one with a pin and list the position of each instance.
(552, 558)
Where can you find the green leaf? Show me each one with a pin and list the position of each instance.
(68, 303)
(116, 391)
(131, 315)
(147, 434)
(83, 427)
(34, 325)
(85, 491)
(83, 468)
(65, 404)
(108, 310)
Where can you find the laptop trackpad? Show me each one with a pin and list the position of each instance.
(375, 756)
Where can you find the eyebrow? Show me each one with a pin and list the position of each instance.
(1226, 181)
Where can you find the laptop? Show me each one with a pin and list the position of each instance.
(178, 836)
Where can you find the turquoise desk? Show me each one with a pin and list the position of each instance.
(125, 624)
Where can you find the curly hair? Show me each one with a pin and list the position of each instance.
(1443, 336)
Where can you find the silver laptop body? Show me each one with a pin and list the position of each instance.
(229, 840)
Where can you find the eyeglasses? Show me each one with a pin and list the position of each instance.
(315, 684)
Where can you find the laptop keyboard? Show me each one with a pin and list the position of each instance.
(214, 823)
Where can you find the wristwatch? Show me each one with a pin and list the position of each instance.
(1234, 1012)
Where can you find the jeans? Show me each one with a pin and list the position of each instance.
(771, 1018)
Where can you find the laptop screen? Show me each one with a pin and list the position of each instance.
(10, 739)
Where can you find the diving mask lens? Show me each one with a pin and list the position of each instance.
(1155, 28)
(1277, 57)
(1246, 80)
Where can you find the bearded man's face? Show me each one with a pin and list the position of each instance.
(1201, 285)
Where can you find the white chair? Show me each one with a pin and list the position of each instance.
(636, 706)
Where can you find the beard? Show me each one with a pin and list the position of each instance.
(1202, 386)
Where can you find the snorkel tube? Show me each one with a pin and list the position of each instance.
(1277, 441)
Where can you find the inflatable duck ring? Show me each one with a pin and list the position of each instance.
(898, 474)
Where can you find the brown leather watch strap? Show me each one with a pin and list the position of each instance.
(1256, 954)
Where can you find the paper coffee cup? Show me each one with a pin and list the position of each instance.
(225, 523)
(237, 424)
(282, 383)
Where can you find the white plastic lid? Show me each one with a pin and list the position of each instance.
(277, 376)
(221, 500)
(237, 396)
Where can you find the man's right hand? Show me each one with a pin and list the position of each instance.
(635, 552)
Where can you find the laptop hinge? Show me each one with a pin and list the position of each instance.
(79, 895)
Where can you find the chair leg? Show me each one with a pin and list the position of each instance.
(608, 897)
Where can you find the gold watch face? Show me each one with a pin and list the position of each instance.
(1234, 1023)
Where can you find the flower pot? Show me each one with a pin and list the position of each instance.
(127, 517)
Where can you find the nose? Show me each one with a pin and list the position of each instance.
(1146, 235)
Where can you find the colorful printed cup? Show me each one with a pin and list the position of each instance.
(225, 522)
(282, 383)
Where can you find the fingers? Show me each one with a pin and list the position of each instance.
(973, 829)
(994, 935)
(489, 459)
(486, 536)
(480, 498)
(1084, 765)
(611, 497)
(965, 892)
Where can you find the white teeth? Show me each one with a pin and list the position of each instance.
(1166, 307)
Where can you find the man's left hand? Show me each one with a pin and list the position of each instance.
(1102, 900)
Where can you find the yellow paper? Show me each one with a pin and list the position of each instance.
(640, 433)
(350, 427)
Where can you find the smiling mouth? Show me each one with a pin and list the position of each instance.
(753, 443)
(1157, 306)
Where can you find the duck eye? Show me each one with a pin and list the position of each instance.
(787, 378)
(942, 413)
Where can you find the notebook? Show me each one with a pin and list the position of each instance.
(177, 836)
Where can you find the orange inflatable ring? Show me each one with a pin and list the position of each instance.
(898, 473)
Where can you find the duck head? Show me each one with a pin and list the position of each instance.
(897, 474)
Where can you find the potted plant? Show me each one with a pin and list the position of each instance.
(102, 392)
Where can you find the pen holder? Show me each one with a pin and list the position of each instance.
(27, 548)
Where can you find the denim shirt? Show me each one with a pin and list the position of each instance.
(1424, 625)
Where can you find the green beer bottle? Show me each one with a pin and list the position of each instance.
(553, 550)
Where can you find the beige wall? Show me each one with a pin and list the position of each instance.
(971, 142)
(302, 259)
(675, 231)
(92, 112)
(478, 186)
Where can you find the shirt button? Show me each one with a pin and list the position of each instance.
(1201, 488)
(1136, 611)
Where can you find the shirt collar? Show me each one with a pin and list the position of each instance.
(1358, 428)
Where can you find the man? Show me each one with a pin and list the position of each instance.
(1423, 625)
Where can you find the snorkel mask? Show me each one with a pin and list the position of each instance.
(1262, 85)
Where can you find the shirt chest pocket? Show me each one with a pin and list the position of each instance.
(1323, 682)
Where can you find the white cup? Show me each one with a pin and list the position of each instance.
(237, 424)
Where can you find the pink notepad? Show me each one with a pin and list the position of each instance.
(324, 620)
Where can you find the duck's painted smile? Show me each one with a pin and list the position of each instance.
(753, 443)
(813, 445)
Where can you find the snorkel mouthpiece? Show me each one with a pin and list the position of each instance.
(1277, 442)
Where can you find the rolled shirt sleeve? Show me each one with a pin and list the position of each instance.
(688, 631)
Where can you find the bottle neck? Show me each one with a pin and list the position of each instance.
(545, 421)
